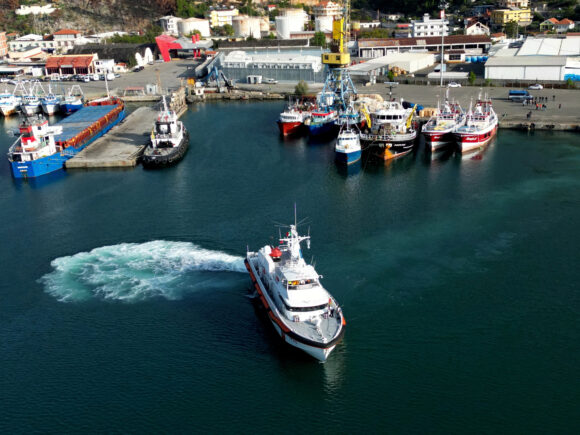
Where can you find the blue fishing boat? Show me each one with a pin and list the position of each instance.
(322, 122)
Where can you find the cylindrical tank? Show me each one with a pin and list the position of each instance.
(245, 26)
(323, 24)
(241, 25)
(283, 27)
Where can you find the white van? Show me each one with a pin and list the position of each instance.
(110, 76)
(94, 77)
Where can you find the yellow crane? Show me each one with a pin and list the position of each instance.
(339, 57)
(410, 118)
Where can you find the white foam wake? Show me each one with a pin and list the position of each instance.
(134, 271)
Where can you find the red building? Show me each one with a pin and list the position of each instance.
(71, 64)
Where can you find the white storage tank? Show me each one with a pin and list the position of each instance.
(245, 26)
(323, 23)
(283, 27)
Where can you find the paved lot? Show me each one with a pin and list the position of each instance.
(172, 73)
(428, 96)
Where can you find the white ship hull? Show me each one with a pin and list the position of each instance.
(31, 109)
(9, 109)
(51, 109)
(469, 141)
(320, 352)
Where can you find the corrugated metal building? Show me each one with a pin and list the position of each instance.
(538, 59)
(532, 68)
(238, 65)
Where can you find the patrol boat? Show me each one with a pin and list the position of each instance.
(302, 311)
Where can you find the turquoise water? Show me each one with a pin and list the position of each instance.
(125, 304)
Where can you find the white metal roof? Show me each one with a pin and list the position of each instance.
(526, 61)
(569, 46)
(389, 59)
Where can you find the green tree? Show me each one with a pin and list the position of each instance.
(319, 39)
(301, 88)
(391, 76)
(511, 29)
(229, 30)
(471, 78)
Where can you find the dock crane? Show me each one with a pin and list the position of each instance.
(338, 86)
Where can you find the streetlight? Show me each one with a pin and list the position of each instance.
(442, 5)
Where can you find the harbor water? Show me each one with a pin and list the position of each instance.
(125, 306)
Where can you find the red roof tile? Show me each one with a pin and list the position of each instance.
(67, 32)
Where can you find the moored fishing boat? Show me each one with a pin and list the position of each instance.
(301, 310)
(347, 149)
(42, 149)
(480, 126)
(30, 105)
(291, 120)
(391, 130)
(169, 140)
(50, 103)
(322, 121)
(73, 101)
(438, 131)
(9, 103)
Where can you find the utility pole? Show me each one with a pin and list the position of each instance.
(443, 6)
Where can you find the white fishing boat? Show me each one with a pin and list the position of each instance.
(51, 102)
(347, 149)
(438, 131)
(480, 126)
(301, 310)
(31, 104)
(9, 103)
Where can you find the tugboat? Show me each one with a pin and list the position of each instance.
(169, 140)
(391, 129)
(480, 126)
(301, 310)
(347, 149)
(438, 131)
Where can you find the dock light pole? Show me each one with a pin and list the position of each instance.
(443, 5)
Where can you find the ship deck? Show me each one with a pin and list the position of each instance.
(80, 120)
(122, 146)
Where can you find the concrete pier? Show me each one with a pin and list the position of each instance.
(123, 145)
(120, 147)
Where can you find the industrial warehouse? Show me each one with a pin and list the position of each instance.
(538, 59)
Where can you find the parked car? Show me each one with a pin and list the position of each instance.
(138, 68)
(453, 85)
(536, 86)
(269, 81)
(4, 80)
(86, 79)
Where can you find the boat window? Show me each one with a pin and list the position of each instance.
(302, 284)
(304, 309)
